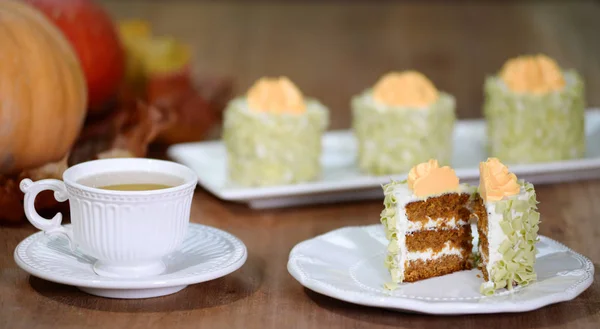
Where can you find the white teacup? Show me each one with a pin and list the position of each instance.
(127, 232)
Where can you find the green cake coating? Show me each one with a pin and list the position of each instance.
(391, 140)
(529, 128)
(270, 148)
(388, 219)
(519, 220)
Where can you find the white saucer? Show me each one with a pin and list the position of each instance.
(347, 264)
(205, 254)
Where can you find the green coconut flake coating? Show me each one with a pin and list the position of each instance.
(388, 219)
(529, 128)
(272, 149)
(391, 286)
(520, 223)
(391, 140)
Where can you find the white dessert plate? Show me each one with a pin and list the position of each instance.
(206, 254)
(347, 264)
(341, 180)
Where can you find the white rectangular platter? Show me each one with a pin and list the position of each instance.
(341, 180)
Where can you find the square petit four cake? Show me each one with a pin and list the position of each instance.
(273, 134)
(403, 120)
(535, 112)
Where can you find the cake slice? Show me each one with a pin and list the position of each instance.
(426, 221)
(507, 226)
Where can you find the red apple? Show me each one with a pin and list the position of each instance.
(95, 40)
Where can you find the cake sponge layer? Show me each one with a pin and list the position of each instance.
(449, 207)
(436, 240)
(450, 236)
(424, 269)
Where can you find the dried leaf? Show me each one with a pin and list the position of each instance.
(198, 108)
(11, 200)
(115, 153)
(218, 92)
(142, 128)
(11, 197)
(98, 134)
(168, 90)
(126, 132)
(51, 170)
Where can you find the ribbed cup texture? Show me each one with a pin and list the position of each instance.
(129, 230)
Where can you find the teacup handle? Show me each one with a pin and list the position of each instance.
(52, 226)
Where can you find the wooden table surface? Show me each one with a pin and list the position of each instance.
(333, 51)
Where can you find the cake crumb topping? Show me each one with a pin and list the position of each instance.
(428, 178)
(276, 95)
(538, 74)
(407, 89)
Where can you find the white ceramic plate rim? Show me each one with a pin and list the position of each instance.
(141, 283)
(444, 307)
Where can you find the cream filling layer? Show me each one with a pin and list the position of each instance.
(430, 255)
(430, 224)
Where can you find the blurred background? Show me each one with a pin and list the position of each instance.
(335, 49)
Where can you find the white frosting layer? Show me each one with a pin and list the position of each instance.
(448, 224)
(495, 235)
(430, 255)
(403, 197)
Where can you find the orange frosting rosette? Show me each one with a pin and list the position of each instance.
(496, 181)
(428, 178)
(276, 95)
(408, 88)
(537, 74)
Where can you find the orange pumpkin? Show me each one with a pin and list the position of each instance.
(43, 93)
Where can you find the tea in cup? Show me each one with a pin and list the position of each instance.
(126, 213)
